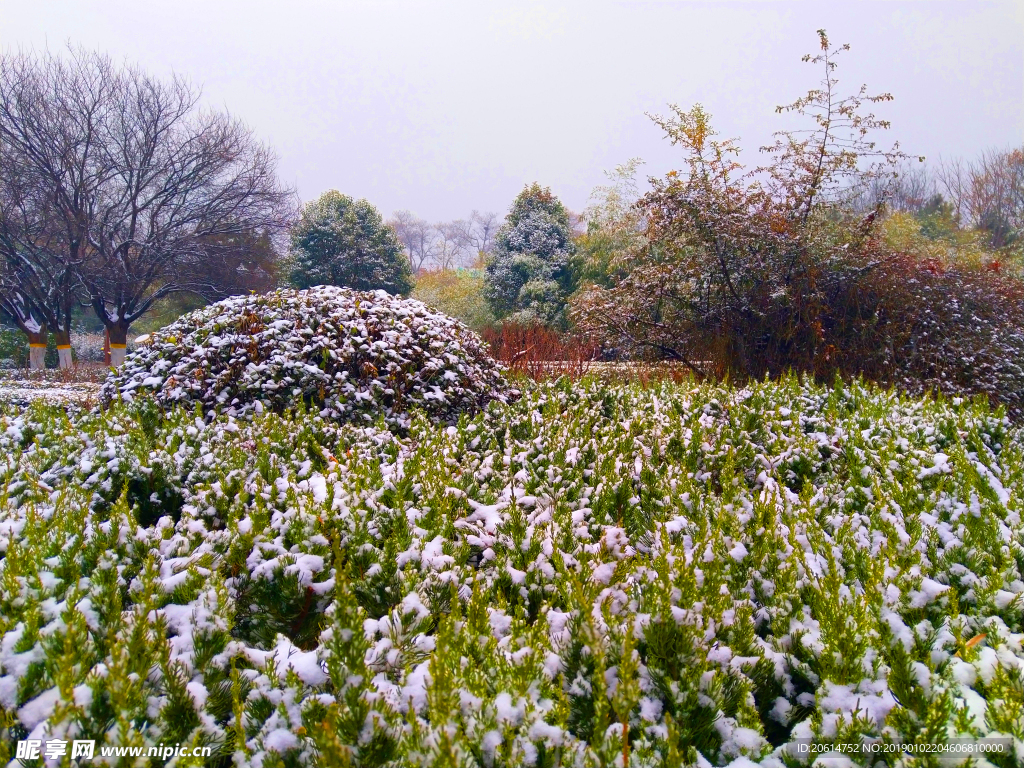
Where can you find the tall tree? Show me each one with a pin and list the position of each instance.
(248, 262)
(341, 241)
(988, 193)
(16, 304)
(529, 278)
(480, 231)
(51, 161)
(614, 227)
(137, 187)
(453, 240)
(758, 270)
(447, 244)
(417, 236)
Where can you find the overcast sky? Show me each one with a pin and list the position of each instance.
(443, 107)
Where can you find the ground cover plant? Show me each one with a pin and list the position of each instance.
(593, 575)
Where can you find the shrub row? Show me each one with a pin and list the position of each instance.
(590, 576)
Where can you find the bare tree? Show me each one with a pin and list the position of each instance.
(997, 195)
(954, 178)
(483, 227)
(445, 245)
(16, 304)
(908, 189)
(246, 262)
(140, 189)
(988, 193)
(453, 240)
(417, 237)
(912, 188)
(51, 163)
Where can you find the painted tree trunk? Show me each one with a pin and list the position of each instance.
(118, 344)
(63, 339)
(37, 349)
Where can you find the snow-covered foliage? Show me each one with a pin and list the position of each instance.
(341, 241)
(590, 576)
(967, 334)
(350, 355)
(89, 347)
(22, 391)
(528, 276)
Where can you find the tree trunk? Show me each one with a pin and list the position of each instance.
(37, 348)
(118, 333)
(63, 339)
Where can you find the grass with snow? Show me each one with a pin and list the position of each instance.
(593, 575)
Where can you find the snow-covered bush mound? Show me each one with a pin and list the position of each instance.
(349, 354)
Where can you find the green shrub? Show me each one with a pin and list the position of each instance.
(590, 576)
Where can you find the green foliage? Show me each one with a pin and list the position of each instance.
(937, 218)
(614, 228)
(529, 275)
(681, 575)
(166, 310)
(345, 242)
(458, 293)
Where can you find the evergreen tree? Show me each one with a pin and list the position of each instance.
(529, 276)
(341, 241)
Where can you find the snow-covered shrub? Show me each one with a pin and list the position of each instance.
(89, 347)
(683, 575)
(958, 329)
(350, 355)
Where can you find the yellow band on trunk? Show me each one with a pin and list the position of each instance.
(38, 346)
(63, 346)
(118, 346)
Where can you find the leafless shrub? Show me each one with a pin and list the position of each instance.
(540, 352)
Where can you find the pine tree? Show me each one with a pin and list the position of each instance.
(528, 278)
(341, 241)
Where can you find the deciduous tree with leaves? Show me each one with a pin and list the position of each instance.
(753, 269)
(758, 272)
(614, 226)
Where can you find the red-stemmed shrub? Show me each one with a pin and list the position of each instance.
(540, 352)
